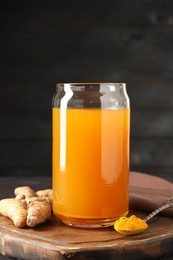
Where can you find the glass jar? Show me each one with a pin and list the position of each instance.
(90, 153)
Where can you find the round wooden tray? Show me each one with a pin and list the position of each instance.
(54, 240)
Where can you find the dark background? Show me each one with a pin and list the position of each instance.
(45, 42)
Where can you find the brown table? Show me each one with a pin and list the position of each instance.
(54, 240)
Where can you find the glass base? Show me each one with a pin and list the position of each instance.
(89, 223)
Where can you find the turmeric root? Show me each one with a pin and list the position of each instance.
(29, 207)
(24, 192)
(15, 209)
(39, 204)
(45, 193)
(39, 210)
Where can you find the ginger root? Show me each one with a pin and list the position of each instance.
(28, 208)
(15, 209)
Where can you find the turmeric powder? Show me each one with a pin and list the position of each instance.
(130, 226)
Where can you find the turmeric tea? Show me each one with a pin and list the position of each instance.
(130, 225)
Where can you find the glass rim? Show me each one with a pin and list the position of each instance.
(91, 83)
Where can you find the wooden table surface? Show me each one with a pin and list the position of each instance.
(54, 240)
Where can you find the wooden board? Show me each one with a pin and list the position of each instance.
(54, 240)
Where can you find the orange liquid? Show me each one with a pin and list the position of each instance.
(90, 163)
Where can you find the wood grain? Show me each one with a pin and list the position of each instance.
(54, 240)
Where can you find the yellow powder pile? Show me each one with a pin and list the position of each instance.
(130, 226)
